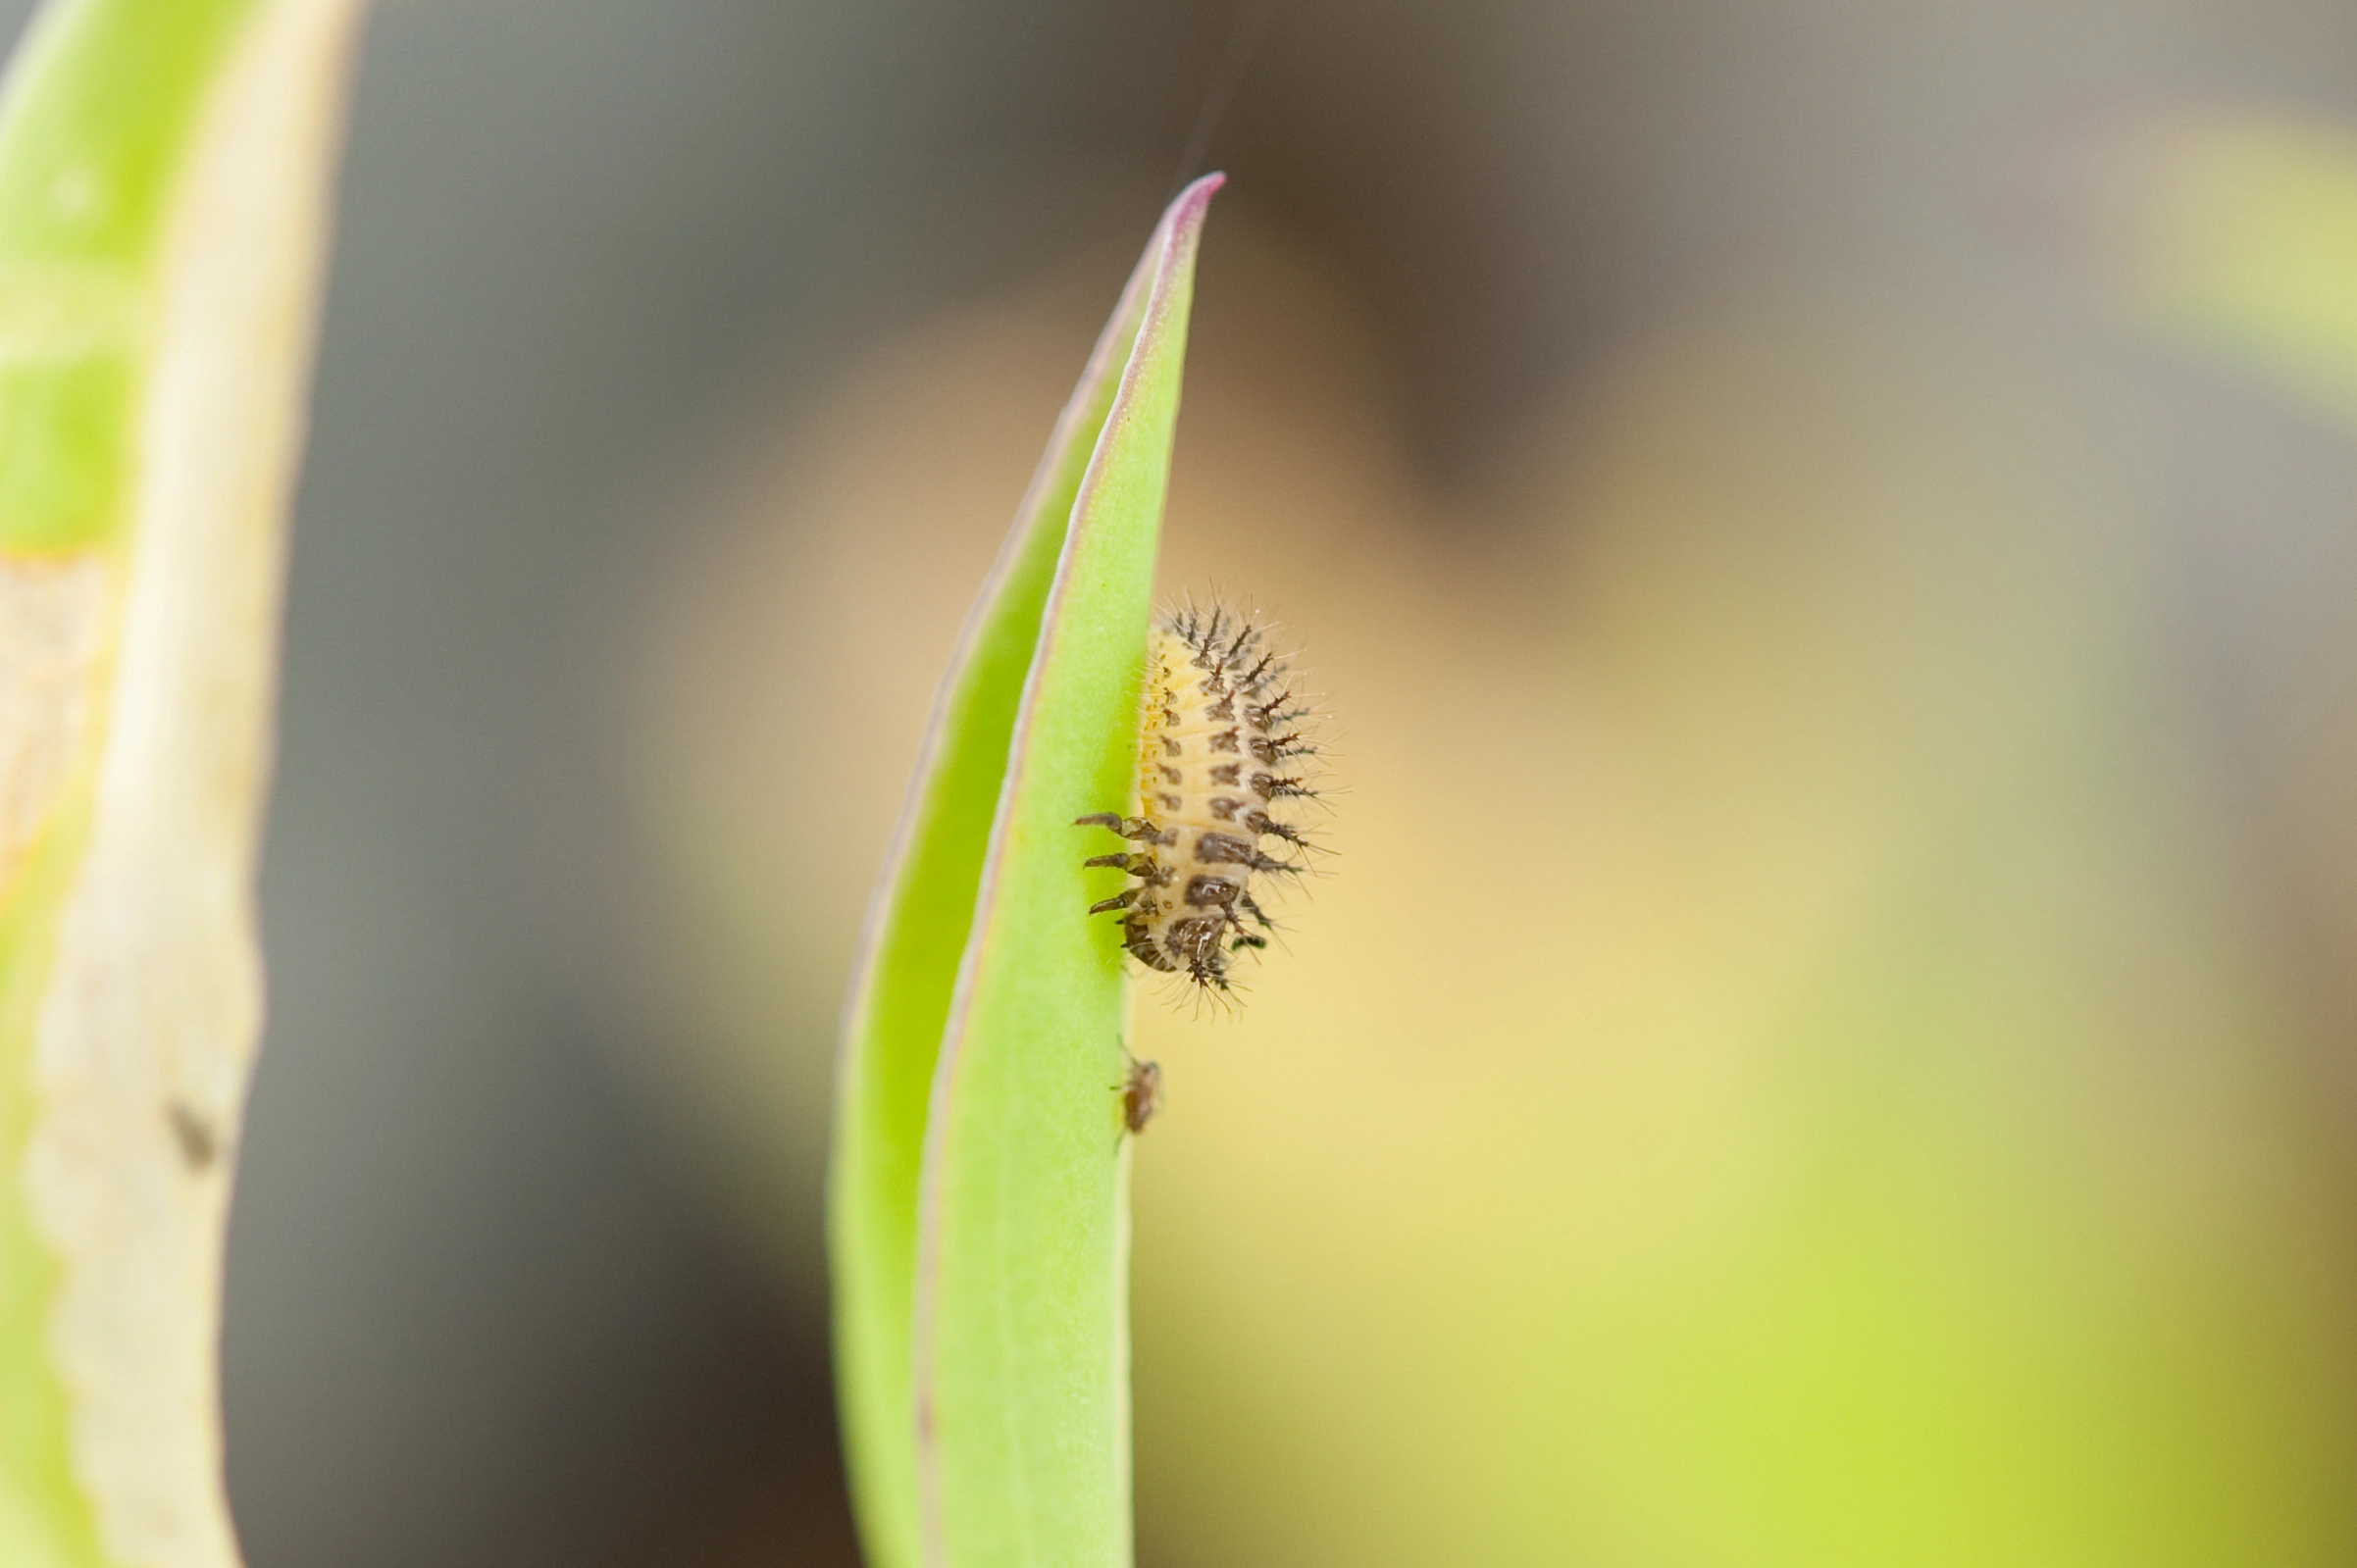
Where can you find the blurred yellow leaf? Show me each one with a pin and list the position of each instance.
(156, 331)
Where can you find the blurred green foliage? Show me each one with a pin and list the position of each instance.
(2243, 241)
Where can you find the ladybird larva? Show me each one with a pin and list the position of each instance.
(1222, 744)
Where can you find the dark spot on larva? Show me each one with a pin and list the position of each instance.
(1203, 893)
(1264, 749)
(1226, 740)
(1228, 772)
(1224, 708)
(1171, 775)
(1171, 746)
(1223, 808)
(1169, 802)
(1196, 940)
(1215, 848)
(199, 1144)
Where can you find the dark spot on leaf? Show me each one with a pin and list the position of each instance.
(199, 1144)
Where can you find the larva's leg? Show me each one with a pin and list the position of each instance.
(1245, 939)
(1135, 829)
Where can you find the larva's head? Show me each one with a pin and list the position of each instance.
(1224, 751)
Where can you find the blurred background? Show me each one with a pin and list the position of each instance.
(1829, 531)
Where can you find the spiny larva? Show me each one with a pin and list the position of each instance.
(1221, 746)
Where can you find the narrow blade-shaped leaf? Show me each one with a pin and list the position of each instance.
(917, 932)
(1021, 1357)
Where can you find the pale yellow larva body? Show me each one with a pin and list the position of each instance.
(1221, 747)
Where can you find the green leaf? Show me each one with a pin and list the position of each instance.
(164, 171)
(985, 1029)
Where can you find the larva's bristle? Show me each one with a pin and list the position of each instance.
(1221, 710)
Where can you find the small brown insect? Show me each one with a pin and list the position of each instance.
(1142, 1095)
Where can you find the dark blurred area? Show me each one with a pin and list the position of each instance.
(524, 1271)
